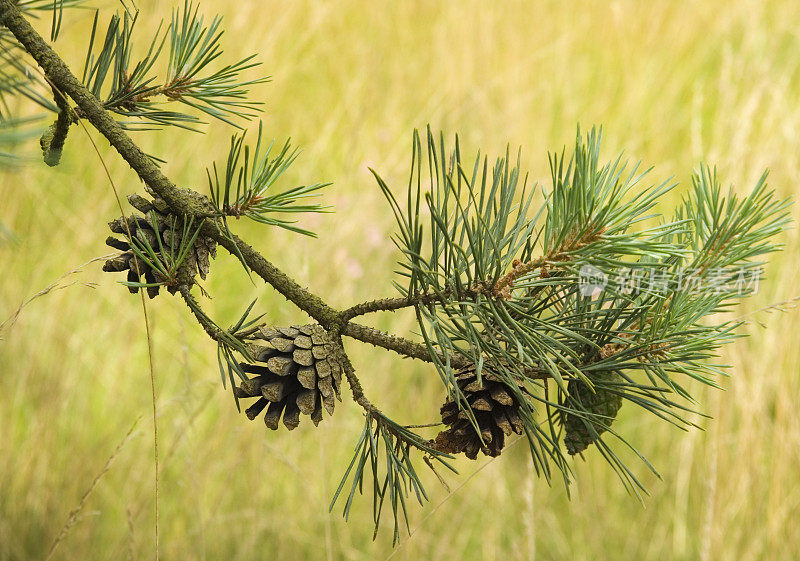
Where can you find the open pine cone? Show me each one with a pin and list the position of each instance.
(298, 372)
(156, 225)
(496, 411)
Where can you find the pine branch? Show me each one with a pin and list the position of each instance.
(183, 201)
(497, 287)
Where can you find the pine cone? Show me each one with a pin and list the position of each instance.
(496, 411)
(600, 402)
(302, 375)
(144, 228)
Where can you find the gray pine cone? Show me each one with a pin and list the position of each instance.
(298, 372)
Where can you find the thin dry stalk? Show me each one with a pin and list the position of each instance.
(72, 518)
(9, 322)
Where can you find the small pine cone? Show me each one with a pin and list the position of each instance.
(144, 229)
(496, 411)
(601, 402)
(299, 373)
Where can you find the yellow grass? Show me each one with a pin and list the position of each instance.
(673, 83)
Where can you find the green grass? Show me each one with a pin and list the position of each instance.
(673, 83)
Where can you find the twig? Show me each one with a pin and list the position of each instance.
(423, 426)
(208, 326)
(387, 305)
(395, 343)
(355, 383)
(187, 202)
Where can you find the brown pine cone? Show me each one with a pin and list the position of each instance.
(496, 411)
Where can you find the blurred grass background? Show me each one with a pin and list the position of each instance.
(673, 83)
